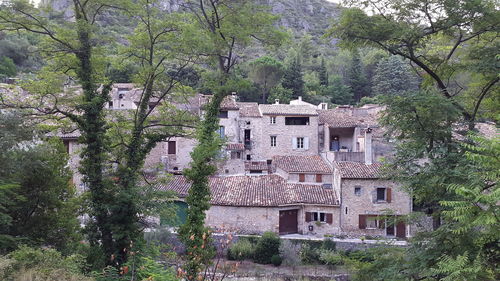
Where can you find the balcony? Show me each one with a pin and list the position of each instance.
(341, 156)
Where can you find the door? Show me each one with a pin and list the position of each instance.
(171, 147)
(401, 230)
(288, 222)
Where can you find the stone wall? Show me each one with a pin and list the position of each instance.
(353, 205)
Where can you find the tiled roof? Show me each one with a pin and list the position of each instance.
(344, 118)
(65, 135)
(255, 165)
(249, 109)
(229, 103)
(287, 109)
(257, 191)
(356, 170)
(305, 164)
(235, 146)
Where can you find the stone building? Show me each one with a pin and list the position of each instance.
(289, 168)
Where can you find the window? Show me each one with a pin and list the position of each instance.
(171, 147)
(223, 114)
(235, 155)
(249, 157)
(381, 194)
(255, 171)
(357, 190)
(273, 141)
(296, 120)
(302, 177)
(319, 217)
(300, 142)
(222, 131)
(272, 120)
(319, 178)
(372, 222)
(110, 104)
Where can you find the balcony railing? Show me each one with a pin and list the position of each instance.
(349, 156)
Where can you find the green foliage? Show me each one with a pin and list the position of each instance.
(241, 250)
(279, 93)
(322, 73)
(356, 78)
(7, 67)
(267, 247)
(384, 264)
(41, 264)
(292, 78)
(331, 258)
(290, 252)
(338, 92)
(266, 72)
(276, 260)
(394, 77)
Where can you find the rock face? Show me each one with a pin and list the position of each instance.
(311, 16)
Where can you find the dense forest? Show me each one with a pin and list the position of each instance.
(433, 64)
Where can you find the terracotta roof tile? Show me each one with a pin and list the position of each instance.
(249, 109)
(229, 103)
(305, 164)
(287, 109)
(257, 191)
(356, 170)
(344, 118)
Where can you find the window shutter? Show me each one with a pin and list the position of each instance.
(362, 221)
(308, 216)
(388, 195)
(306, 142)
(329, 218)
(302, 177)
(294, 142)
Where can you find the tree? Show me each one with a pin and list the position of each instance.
(338, 92)
(71, 49)
(393, 77)
(266, 72)
(221, 29)
(7, 67)
(292, 78)
(281, 94)
(437, 36)
(38, 205)
(323, 74)
(356, 78)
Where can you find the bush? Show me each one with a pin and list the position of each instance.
(267, 246)
(41, 265)
(290, 252)
(309, 253)
(329, 244)
(276, 260)
(241, 250)
(331, 258)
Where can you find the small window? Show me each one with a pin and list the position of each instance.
(248, 122)
(255, 171)
(319, 178)
(319, 216)
(302, 177)
(249, 157)
(222, 131)
(300, 142)
(357, 191)
(381, 194)
(273, 141)
(272, 120)
(372, 222)
(110, 104)
(223, 114)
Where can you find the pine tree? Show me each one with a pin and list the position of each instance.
(323, 74)
(356, 78)
(292, 79)
(393, 77)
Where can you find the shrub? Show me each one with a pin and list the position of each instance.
(330, 258)
(41, 265)
(267, 246)
(290, 252)
(276, 260)
(240, 250)
(329, 244)
(309, 253)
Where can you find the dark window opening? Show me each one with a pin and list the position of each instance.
(110, 104)
(171, 147)
(223, 114)
(296, 120)
(247, 139)
(269, 161)
(380, 194)
(255, 171)
(357, 191)
(249, 157)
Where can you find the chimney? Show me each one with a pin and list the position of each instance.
(277, 101)
(234, 96)
(368, 146)
(300, 98)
